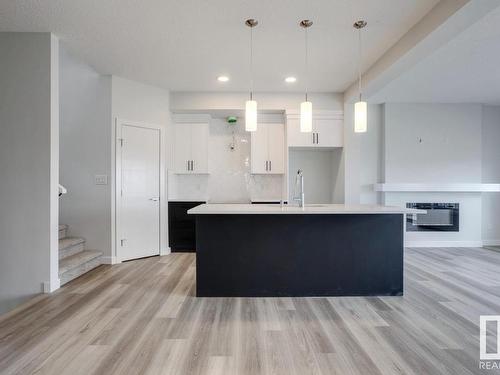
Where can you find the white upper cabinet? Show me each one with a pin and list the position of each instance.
(191, 148)
(328, 130)
(268, 149)
(295, 137)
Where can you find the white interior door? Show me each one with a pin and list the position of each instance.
(139, 213)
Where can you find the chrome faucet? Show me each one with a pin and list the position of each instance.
(299, 181)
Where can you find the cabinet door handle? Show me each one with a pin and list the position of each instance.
(270, 165)
(267, 165)
(313, 138)
(317, 138)
(187, 165)
(192, 165)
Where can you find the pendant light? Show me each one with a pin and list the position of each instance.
(251, 105)
(360, 107)
(306, 106)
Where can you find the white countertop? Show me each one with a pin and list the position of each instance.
(186, 200)
(436, 187)
(205, 209)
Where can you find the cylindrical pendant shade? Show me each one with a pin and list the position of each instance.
(360, 117)
(306, 117)
(251, 116)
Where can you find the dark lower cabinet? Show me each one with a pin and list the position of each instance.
(182, 226)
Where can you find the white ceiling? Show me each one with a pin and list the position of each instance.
(465, 70)
(186, 44)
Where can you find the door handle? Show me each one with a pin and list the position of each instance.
(317, 138)
(270, 165)
(267, 165)
(192, 165)
(313, 138)
(154, 199)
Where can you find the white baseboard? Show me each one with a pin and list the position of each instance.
(491, 242)
(47, 287)
(444, 243)
(165, 251)
(110, 260)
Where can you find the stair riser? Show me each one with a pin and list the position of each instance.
(71, 250)
(63, 233)
(80, 270)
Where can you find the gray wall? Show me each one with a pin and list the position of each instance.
(28, 132)
(320, 169)
(85, 151)
(491, 172)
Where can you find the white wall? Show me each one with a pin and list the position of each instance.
(491, 173)
(371, 147)
(429, 143)
(137, 102)
(432, 143)
(28, 166)
(363, 156)
(85, 151)
(213, 101)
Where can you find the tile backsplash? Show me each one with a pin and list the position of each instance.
(229, 179)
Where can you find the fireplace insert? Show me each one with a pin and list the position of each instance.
(440, 217)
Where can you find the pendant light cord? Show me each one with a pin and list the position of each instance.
(359, 63)
(251, 63)
(306, 63)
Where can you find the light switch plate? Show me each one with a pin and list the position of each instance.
(101, 179)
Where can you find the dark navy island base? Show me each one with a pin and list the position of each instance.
(299, 255)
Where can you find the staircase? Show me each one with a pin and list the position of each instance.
(74, 259)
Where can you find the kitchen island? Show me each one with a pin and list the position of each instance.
(320, 250)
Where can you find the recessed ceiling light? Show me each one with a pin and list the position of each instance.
(290, 79)
(222, 78)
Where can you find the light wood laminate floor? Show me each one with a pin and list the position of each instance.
(142, 317)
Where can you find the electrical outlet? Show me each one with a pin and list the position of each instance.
(101, 179)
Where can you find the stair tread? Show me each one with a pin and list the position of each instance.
(70, 241)
(63, 226)
(78, 259)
